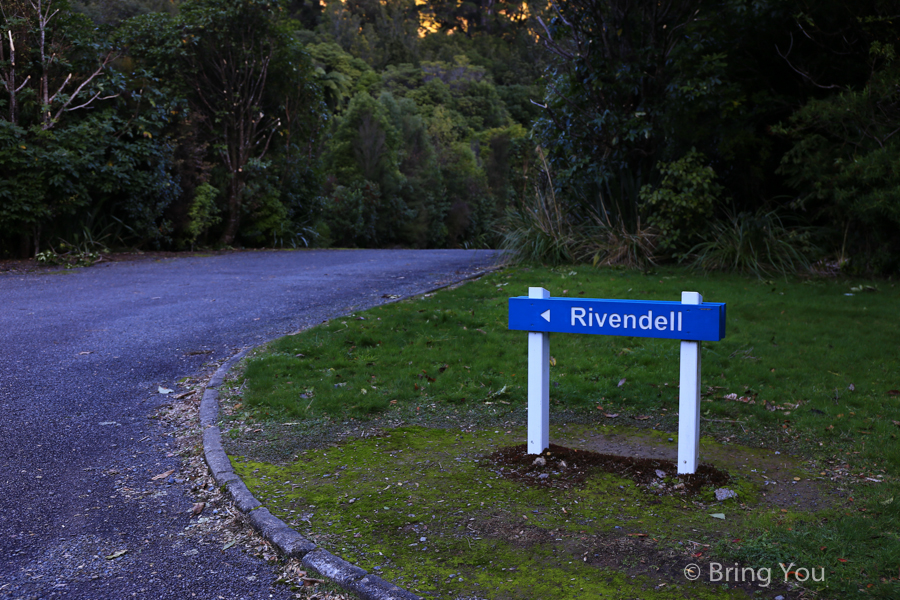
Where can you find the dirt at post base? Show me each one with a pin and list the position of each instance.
(561, 467)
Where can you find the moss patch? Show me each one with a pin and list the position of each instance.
(427, 509)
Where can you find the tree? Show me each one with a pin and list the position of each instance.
(65, 147)
(249, 80)
(846, 145)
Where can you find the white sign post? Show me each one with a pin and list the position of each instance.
(689, 399)
(538, 384)
(672, 320)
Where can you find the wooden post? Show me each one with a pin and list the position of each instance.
(689, 399)
(538, 384)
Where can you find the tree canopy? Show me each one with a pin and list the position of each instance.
(658, 126)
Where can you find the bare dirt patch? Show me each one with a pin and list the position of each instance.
(562, 468)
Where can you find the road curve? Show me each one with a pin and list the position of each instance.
(83, 355)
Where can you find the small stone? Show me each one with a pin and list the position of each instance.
(543, 476)
(540, 461)
(779, 597)
(660, 474)
(725, 494)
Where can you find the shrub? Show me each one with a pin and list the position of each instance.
(681, 206)
(757, 243)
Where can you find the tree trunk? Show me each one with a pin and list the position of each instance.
(234, 210)
(37, 239)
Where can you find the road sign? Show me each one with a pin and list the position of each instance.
(637, 318)
(690, 321)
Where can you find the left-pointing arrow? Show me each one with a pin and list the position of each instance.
(546, 315)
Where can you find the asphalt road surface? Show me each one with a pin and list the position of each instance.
(83, 355)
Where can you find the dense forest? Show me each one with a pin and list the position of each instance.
(756, 135)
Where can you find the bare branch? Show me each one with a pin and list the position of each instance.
(18, 89)
(806, 76)
(96, 97)
(64, 84)
(65, 106)
(546, 30)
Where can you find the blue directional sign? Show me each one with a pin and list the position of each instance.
(637, 318)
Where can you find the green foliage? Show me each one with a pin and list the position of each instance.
(680, 208)
(77, 140)
(757, 243)
(843, 164)
(203, 213)
(253, 120)
(549, 230)
(113, 12)
(351, 213)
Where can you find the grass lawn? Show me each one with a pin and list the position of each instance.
(372, 435)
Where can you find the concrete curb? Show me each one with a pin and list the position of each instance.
(287, 541)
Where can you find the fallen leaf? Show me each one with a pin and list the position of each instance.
(611, 416)
(309, 581)
(637, 535)
(552, 361)
(80, 353)
(162, 475)
(642, 418)
(718, 516)
(481, 330)
(893, 392)
(163, 390)
(842, 560)
(116, 554)
(229, 544)
(851, 387)
(621, 382)
(183, 395)
(198, 508)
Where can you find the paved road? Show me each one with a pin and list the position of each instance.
(83, 354)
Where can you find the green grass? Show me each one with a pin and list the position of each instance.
(816, 365)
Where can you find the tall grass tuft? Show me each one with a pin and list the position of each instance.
(550, 231)
(757, 243)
